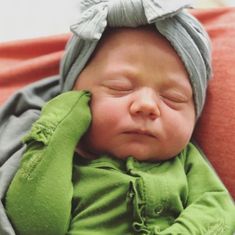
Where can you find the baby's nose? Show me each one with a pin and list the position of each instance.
(145, 104)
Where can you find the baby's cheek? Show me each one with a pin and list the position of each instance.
(105, 106)
(186, 134)
(178, 130)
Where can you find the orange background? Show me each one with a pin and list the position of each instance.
(23, 62)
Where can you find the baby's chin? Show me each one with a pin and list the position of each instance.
(123, 154)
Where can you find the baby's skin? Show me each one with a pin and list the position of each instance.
(142, 100)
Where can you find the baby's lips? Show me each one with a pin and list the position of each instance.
(141, 132)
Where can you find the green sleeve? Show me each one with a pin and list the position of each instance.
(209, 209)
(39, 198)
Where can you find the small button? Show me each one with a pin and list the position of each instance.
(158, 210)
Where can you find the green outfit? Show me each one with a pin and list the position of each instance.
(56, 192)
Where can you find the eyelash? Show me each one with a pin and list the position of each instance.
(174, 99)
(119, 87)
(173, 102)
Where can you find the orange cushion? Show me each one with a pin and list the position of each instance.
(25, 61)
(22, 62)
(215, 132)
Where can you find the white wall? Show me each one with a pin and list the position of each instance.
(21, 19)
(32, 18)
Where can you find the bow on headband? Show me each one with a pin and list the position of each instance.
(96, 14)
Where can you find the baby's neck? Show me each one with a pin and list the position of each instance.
(81, 151)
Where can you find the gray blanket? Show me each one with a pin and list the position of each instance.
(16, 118)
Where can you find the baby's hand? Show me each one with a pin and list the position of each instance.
(67, 115)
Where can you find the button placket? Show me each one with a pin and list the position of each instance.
(138, 201)
(137, 196)
(156, 195)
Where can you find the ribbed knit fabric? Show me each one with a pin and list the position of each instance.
(182, 30)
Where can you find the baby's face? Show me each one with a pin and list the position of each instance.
(142, 102)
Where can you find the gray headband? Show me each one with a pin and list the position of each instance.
(182, 30)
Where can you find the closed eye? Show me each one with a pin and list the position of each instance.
(175, 101)
(119, 88)
(118, 85)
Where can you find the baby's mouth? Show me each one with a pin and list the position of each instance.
(141, 132)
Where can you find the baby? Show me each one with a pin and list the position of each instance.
(114, 156)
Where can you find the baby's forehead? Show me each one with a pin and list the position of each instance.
(116, 42)
(114, 38)
(133, 51)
